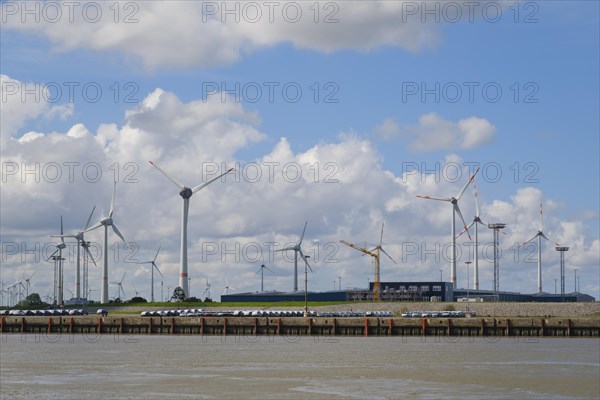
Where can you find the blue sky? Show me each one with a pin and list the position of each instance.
(548, 131)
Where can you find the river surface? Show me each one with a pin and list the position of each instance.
(192, 367)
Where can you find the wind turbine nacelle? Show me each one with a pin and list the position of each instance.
(106, 221)
(186, 193)
(79, 236)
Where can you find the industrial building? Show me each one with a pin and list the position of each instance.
(405, 291)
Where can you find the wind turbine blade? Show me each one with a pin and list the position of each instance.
(179, 184)
(476, 201)
(466, 229)
(457, 209)
(305, 260)
(112, 201)
(544, 236)
(286, 249)
(154, 265)
(87, 249)
(435, 198)
(390, 257)
(156, 253)
(98, 225)
(527, 241)
(89, 219)
(381, 237)
(123, 278)
(203, 185)
(541, 217)
(482, 222)
(459, 195)
(52, 255)
(63, 236)
(62, 239)
(303, 231)
(116, 230)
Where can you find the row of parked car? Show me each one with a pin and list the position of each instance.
(49, 312)
(439, 314)
(263, 313)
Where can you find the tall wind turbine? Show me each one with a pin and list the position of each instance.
(185, 193)
(539, 235)
(297, 249)
(227, 287)
(106, 222)
(455, 210)
(79, 237)
(28, 283)
(375, 253)
(476, 220)
(153, 262)
(59, 267)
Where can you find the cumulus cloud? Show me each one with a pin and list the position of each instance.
(219, 33)
(434, 133)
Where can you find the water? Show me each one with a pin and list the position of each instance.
(192, 367)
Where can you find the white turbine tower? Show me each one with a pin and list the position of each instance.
(455, 210)
(185, 193)
(79, 237)
(58, 266)
(476, 220)
(297, 249)
(106, 222)
(539, 235)
(152, 266)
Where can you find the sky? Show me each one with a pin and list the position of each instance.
(333, 113)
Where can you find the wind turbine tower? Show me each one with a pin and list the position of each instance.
(455, 210)
(106, 222)
(539, 235)
(496, 227)
(297, 249)
(185, 193)
(476, 220)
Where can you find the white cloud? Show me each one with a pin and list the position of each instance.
(203, 39)
(434, 133)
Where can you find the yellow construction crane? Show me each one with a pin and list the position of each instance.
(375, 253)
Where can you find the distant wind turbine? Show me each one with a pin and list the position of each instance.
(58, 264)
(455, 210)
(152, 266)
(106, 222)
(297, 249)
(120, 285)
(539, 235)
(261, 271)
(185, 193)
(476, 220)
(79, 237)
(227, 287)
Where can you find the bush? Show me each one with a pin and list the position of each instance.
(449, 307)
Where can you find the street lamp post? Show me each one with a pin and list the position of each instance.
(555, 280)
(306, 286)
(441, 275)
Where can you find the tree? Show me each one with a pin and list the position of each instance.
(33, 300)
(178, 294)
(138, 299)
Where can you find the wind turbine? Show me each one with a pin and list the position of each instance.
(206, 293)
(58, 262)
(375, 253)
(476, 220)
(120, 285)
(261, 270)
(539, 235)
(455, 210)
(227, 287)
(28, 282)
(185, 193)
(106, 222)
(152, 266)
(79, 237)
(297, 249)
